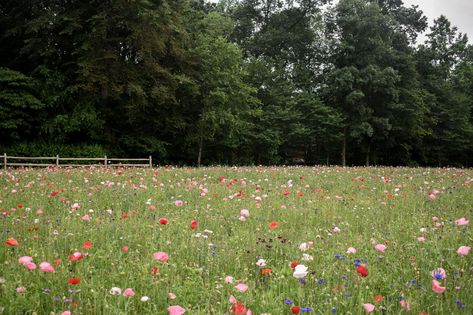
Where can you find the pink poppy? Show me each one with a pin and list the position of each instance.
(228, 279)
(176, 310)
(244, 213)
(437, 288)
(461, 221)
(161, 256)
(351, 250)
(30, 265)
(241, 287)
(368, 307)
(46, 267)
(463, 250)
(380, 248)
(66, 313)
(128, 292)
(178, 203)
(421, 239)
(232, 299)
(86, 217)
(76, 256)
(24, 260)
(171, 296)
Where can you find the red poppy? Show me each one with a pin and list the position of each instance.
(266, 271)
(20, 206)
(163, 221)
(239, 309)
(73, 281)
(55, 193)
(273, 224)
(295, 309)
(125, 248)
(124, 216)
(194, 224)
(87, 245)
(57, 262)
(294, 264)
(11, 242)
(285, 192)
(378, 298)
(154, 271)
(362, 271)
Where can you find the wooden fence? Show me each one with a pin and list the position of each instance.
(56, 161)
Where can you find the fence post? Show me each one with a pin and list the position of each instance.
(105, 161)
(57, 160)
(150, 161)
(5, 161)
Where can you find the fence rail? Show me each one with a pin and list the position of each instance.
(102, 161)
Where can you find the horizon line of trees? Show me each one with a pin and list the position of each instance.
(235, 82)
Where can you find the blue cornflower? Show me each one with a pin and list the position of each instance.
(320, 281)
(459, 304)
(288, 302)
(347, 295)
(302, 280)
(334, 310)
(438, 276)
(307, 309)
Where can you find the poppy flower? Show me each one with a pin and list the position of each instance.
(193, 224)
(46, 267)
(241, 287)
(176, 310)
(368, 307)
(128, 292)
(362, 271)
(463, 250)
(380, 248)
(73, 281)
(87, 245)
(163, 221)
(462, 221)
(295, 309)
(378, 298)
(273, 224)
(76, 256)
(57, 262)
(11, 242)
(161, 256)
(239, 309)
(294, 264)
(179, 203)
(125, 248)
(266, 271)
(437, 288)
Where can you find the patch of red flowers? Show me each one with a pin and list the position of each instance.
(294, 264)
(73, 281)
(194, 224)
(239, 309)
(273, 224)
(87, 245)
(362, 271)
(295, 309)
(163, 221)
(11, 242)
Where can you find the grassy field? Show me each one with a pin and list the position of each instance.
(228, 240)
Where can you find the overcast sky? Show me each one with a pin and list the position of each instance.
(459, 12)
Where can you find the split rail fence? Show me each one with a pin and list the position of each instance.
(56, 161)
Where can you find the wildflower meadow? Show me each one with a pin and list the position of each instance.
(250, 240)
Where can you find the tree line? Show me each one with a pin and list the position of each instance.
(235, 82)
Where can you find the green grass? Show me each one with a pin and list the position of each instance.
(371, 210)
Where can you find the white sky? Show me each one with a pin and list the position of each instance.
(459, 12)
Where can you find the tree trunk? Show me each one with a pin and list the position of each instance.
(344, 147)
(199, 156)
(368, 151)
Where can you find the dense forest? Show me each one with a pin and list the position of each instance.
(236, 82)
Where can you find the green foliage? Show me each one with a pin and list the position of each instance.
(239, 81)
